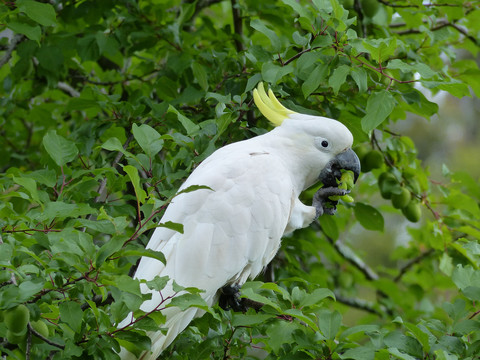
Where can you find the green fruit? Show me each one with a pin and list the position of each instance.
(347, 179)
(369, 7)
(372, 160)
(399, 201)
(361, 150)
(347, 4)
(14, 338)
(412, 211)
(387, 183)
(40, 327)
(16, 319)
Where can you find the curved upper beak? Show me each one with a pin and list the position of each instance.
(332, 172)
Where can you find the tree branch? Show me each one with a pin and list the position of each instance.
(16, 39)
(353, 258)
(237, 26)
(361, 304)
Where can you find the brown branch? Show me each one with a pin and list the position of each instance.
(237, 26)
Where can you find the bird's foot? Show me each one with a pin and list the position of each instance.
(322, 202)
(230, 299)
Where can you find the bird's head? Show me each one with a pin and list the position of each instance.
(325, 142)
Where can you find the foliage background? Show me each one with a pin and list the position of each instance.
(108, 105)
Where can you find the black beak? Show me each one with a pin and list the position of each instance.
(346, 160)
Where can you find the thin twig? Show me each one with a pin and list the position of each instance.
(412, 262)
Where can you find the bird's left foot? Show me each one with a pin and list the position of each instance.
(230, 299)
(323, 204)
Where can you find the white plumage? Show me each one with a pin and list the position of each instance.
(234, 230)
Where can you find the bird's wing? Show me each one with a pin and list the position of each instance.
(231, 231)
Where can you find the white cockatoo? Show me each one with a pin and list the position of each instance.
(234, 229)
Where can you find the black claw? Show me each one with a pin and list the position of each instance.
(230, 299)
(323, 204)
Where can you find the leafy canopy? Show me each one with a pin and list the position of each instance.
(108, 105)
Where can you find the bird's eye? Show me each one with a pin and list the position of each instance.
(325, 143)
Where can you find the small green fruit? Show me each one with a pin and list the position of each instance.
(387, 183)
(372, 160)
(347, 4)
(399, 201)
(412, 211)
(16, 319)
(361, 150)
(369, 7)
(40, 327)
(14, 338)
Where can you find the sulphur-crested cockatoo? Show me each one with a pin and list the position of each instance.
(233, 230)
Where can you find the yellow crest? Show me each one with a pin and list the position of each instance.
(269, 106)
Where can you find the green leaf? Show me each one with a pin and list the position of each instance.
(110, 247)
(200, 74)
(30, 31)
(464, 277)
(71, 313)
(357, 329)
(27, 289)
(380, 49)
(148, 138)
(316, 296)
(260, 26)
(272, 73)
(280, 333)
(359, 75)
(338, 77)
(30, 185)
(421, 336)
(399, 355)
(42, 13)
(403, 343)
(329, 323)
(188, 124)
(250, 294)
(379, 105)
(193, 188)
(134, 177)
(172, 226)
(369, 217)
(299, 9)
(143, 252)
(61, 150)
(314, 79)
(249, 320)
(446, 264)
(186, 301)
(359, 353)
